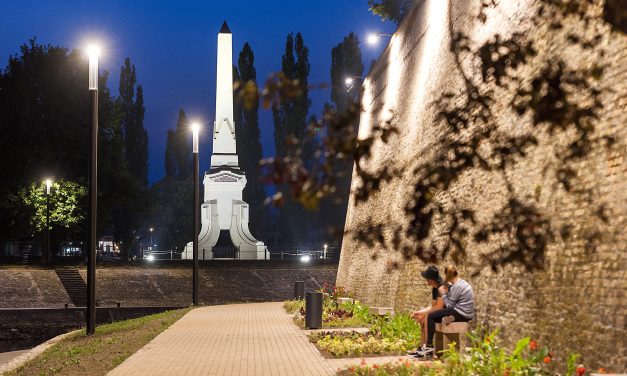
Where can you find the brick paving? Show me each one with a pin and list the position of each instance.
(236, 339)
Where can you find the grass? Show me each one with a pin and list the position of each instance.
(98, 354)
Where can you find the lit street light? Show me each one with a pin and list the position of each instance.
(195, 130)
(48, 257)
(373, 39)
(350, 81)
(92, 52)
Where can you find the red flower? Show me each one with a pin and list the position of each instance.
(581, 370)
(533, 345)
(547, 360)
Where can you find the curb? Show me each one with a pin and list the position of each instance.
(34, 352)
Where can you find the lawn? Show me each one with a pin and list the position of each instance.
(98, 354)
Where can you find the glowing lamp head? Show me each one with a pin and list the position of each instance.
(195, 130)
(349, 81)
(93, 52)
(151, 229)
(150, 257)
(372, 39)
(305, 258)
(48, 185)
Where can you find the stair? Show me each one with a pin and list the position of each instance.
(74, 285)
(25, 250)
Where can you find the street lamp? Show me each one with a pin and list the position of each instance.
(92, 52)
(48, 258)
(195, 130)
(373, 38)
(150, 245)
(350, 81)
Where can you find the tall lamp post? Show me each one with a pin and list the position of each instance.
(195, 130)
(93, 53)
(48, 257)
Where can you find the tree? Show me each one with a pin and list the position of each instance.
(346, 62)
(249, 147)
(67, 204)
(394, 10)
(128, 213)
(290, 121)
(48, 133)
(169, 210)
(182, 148)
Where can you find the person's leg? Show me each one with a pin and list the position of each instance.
(423, 330)
(436, 317)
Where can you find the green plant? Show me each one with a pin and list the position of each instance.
(292, 306)
(403, 367)
(353, 344)
(397, 326)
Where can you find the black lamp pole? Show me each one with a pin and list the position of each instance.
(48, 259)
(195, 130)
(93, 195)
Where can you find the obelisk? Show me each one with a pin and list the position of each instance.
(224, 152)
(224, 215)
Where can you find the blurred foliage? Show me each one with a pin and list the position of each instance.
(393, 10)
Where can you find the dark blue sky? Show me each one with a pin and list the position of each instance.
(173, 47)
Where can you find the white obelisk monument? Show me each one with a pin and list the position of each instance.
(223, 214)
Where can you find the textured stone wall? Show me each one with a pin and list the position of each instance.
(577, 303)
(165, 286)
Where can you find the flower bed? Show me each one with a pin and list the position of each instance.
(353, 344)
(387, 336)
(484, 357)
(334, 315)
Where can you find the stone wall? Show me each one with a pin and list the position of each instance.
(577, 303)
(220, 283)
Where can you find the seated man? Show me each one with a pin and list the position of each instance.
(433, 279)
(459, 302)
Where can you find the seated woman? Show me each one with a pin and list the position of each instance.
(432, 277)
(459, 303)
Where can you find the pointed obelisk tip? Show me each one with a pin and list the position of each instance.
(225, 29)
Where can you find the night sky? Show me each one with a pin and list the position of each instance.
(173, 47)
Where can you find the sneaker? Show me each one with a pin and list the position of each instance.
(417, 353)
(426, 351)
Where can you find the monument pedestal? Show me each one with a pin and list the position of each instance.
(224, 210)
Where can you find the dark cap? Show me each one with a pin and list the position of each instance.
(431, 273)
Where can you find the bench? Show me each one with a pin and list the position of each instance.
(344, 300)
(448, 333)
(382, 311)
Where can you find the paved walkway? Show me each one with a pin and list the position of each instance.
(6, 357)
(236, 339)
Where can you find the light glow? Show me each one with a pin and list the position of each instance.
(93, 52)
(150, 258)
(372, 39)
(48, 185)
(305, 259)
(195, 131)
(349, 81)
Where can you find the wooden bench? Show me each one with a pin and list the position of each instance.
(382, 311)
(448, 333)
